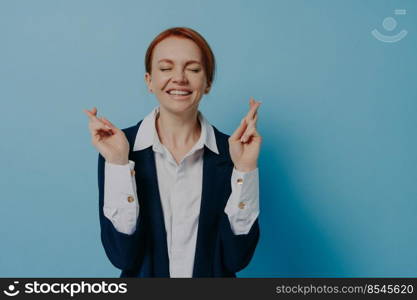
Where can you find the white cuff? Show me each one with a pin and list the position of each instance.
(121, 204)
(242, 208)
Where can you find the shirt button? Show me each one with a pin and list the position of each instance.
(130, 199)
(239, 180)
(241, 205)
(132, 172)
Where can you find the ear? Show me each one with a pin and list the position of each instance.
(207, 90)
(148, 81)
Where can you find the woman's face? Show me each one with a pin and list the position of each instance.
(177, 76)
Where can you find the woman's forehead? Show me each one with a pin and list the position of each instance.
(176, 49)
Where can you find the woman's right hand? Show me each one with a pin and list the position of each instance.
(109, 140)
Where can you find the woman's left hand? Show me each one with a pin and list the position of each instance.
(245, 142)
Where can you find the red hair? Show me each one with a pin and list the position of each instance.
(209, 63)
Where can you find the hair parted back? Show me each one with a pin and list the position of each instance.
(209, 63)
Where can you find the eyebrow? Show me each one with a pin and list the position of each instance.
(187, 63)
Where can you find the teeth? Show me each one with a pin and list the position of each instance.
(177, 92)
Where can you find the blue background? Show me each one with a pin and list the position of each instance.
(339, 159)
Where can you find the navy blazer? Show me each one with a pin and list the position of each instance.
(219, 252)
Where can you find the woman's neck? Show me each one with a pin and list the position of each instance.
(178, 131)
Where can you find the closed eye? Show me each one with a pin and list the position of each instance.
(195, 70)
(165, 69)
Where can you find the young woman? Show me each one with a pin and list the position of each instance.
(178, 198)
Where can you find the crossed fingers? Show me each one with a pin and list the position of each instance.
(251, 119)
(247, 127)
(99, 126)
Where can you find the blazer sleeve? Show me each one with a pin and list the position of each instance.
(237, 249)
(123, 250)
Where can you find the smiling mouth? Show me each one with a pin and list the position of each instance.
(174, 92)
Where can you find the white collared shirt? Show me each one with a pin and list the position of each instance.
(179, 193)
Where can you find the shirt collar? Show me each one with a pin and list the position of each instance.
(147, 135)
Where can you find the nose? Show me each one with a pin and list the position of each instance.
(179, 77)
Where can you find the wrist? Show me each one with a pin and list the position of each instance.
(245, 168)
(118, 161)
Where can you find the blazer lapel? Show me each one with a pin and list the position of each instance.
(151, 210)
(215, 169)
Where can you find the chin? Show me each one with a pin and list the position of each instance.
(177, 107)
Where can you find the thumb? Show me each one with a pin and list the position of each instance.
(108, 123)
(239, 131)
